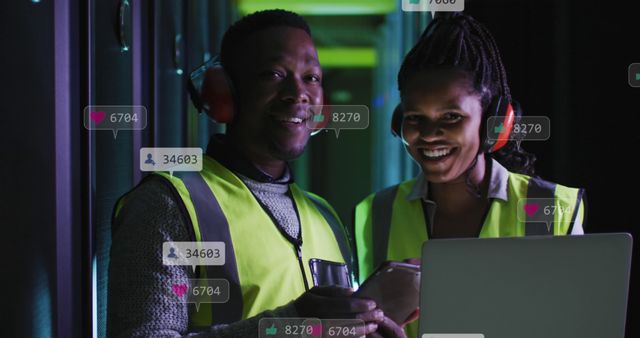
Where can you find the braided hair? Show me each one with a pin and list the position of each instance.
(458, 42)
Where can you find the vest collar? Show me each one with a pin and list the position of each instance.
(497, 184)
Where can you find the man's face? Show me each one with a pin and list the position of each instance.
(277, 78)
(441, 123)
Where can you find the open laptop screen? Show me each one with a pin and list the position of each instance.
(531, 287)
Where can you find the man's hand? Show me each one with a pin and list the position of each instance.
(388, 329)
(336, 303)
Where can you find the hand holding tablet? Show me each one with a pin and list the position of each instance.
(394, 286)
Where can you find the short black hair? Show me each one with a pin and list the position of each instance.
(457, 41)
(237, 34)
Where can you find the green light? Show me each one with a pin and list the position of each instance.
(347, 57)
(341, 96)
(321, 7)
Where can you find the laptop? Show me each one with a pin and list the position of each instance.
(525, 287)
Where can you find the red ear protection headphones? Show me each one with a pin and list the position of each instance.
(503, 111)
(500, 108)
(216, 94)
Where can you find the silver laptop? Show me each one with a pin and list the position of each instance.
(527, 287)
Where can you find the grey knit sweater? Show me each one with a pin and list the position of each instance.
(138, 303)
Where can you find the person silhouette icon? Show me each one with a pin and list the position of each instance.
(172, 253)
(150, 161)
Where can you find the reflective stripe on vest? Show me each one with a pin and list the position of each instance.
(214, 227)
(339, 231)
(382, 209)
(539, 189)
(258, 256)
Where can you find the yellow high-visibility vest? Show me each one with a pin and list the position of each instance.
(264, 269)
(391, 227)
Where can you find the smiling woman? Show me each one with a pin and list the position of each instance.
(450, 83)
(440, 124)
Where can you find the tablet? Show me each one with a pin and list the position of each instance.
(394, 286)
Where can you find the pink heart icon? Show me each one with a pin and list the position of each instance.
(179, 289)
(316, 330)
(97, 116)
(531, 209)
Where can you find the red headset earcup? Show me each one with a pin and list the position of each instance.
(503, 137)
(217, 95)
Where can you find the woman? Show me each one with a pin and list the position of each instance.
(450, 83)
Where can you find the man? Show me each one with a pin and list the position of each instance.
(246, 197)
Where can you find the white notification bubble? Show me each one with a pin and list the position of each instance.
(528, 128)
(115, 118)
(200, 290)
(170, 159)
(290, 327)
(541, 210)
(338, 117)
(433, 5)
(193, 253)
(346, 328)
(634, 75)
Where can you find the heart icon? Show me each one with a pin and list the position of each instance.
(531, 209)
(316, 330)
(97, 116)
(179, 289)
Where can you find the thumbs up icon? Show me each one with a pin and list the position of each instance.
(271, 331)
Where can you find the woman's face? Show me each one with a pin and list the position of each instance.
(441, 124)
